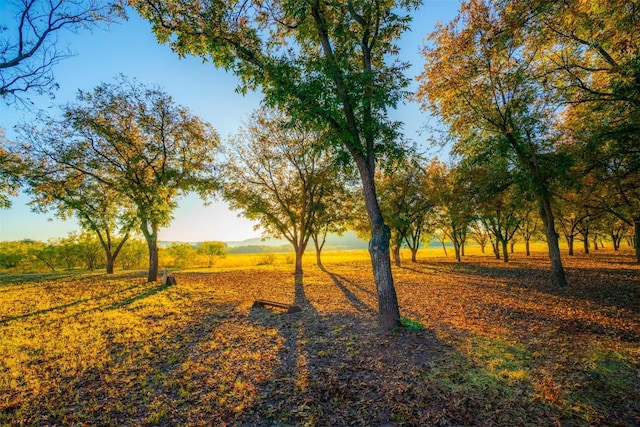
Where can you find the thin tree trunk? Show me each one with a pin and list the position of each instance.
(527, 247)
(414, 255)
(557, 270)
(299, 253)
(318, 246)
(636, 237)
(496, 249)
(512, 244)
(396, 255)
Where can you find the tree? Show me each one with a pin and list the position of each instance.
(453, 208)
(405, 203)
(133, 253)
(529, 227)
(328, 65)
(11, 168)
(212, 250)
(334, 213)
(69, 192)
(495, 198)
(136, 142)
(276, 175)
(479, 233)
(29, 45)
(480, 80)
(591, 52)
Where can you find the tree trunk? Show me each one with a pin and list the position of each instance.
(299, 253)
(396, 255)
(462, 249)
(496, 249)
(318, 247)
(110, 262)
(557, 270)
(482, 245)
(505, 252)
(595, 242)
(444, 247)
(585, 236)
(511, 246)
(570, 244)
(388, 309)
(636, 237)
(527, 247)
(151, 236)
(414, 255)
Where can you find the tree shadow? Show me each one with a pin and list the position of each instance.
(216, 362)
(142, 295)
(342, 283)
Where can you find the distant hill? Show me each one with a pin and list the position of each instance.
(348, 241)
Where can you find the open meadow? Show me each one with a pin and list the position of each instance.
(485, 343)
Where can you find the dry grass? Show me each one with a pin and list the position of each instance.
(489, 344)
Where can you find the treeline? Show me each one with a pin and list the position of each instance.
(84, 252)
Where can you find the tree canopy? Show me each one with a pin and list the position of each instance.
(135, 141)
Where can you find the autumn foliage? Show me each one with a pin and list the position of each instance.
(484, 343)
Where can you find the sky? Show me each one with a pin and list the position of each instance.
(130, 48)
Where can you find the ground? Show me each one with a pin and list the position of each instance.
(485, 343)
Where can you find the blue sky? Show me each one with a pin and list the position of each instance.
(131, 49)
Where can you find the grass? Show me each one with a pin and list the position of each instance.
(483, 343)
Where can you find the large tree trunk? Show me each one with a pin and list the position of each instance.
(389, 311)
(110, 262)
(151, 236)
(299, 253)
(414, 255)
(557, 270)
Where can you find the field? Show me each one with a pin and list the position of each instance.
(485, 343)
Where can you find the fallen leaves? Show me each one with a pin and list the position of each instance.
(496, 345)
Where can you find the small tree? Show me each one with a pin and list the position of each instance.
(212, 250)
(276, 175)
(405, 203)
